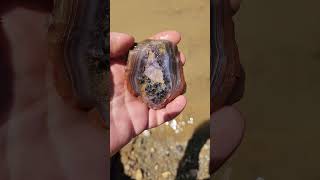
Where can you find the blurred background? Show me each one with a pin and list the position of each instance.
(178, 149)
(279, 43)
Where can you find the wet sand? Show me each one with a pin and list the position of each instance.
(280, 50)
(144, 18)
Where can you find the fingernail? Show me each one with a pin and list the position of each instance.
(165, 36)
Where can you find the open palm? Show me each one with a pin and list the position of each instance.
(128, 115)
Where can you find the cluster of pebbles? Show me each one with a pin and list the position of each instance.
(147, 158)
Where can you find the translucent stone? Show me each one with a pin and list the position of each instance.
(154, 72)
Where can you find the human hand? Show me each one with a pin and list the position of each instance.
(227, 124)
(128, 115)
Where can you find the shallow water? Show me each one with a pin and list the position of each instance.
(144, 18)
(280, 50)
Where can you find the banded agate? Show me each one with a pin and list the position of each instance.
(154, 73)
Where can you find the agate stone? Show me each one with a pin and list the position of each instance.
(154, 72)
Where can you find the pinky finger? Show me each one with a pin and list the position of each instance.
(173, 109)
(182, 58)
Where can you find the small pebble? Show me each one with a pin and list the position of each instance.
(167, 153)
(166, 174)
(139, 175)
(190, 121)
(126, 167)
(146, 133)
(173, 124)
(179, 148)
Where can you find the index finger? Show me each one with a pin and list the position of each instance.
(172, 36)
(120, 44)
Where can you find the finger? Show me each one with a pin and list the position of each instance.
(120, 44)
(182, 58)
(227, 128)
(173, 109)
(172, 36)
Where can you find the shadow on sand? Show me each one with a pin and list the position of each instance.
(188, 165)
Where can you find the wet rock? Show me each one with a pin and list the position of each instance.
(166, 174)
(139, 175)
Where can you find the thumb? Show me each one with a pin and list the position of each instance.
(120, 44)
